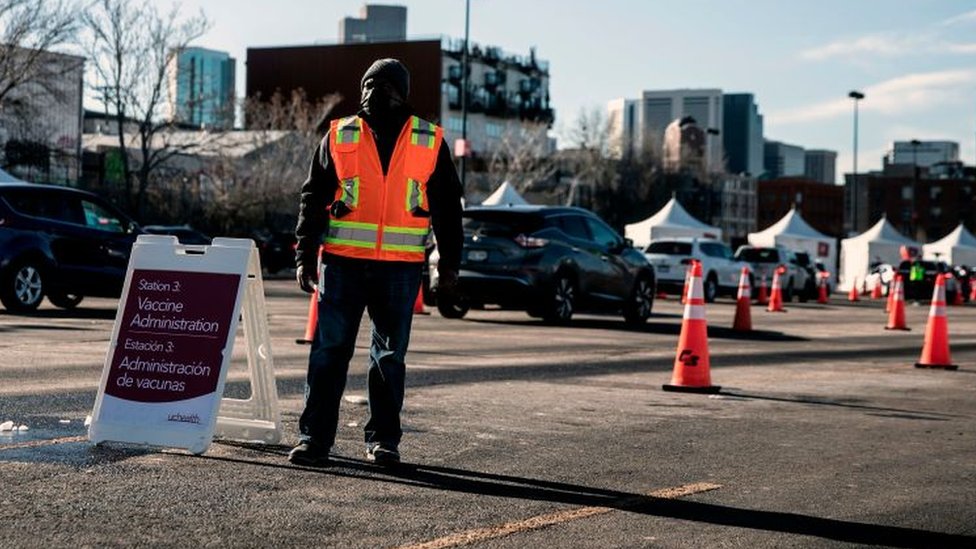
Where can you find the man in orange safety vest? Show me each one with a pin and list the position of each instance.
(378, 182)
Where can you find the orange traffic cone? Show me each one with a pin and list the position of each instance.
(896, 313)
(864, 286)
(743, 317)
(972, 291)
(763, 297)
(776, 298)
(852, 295)
(418, 304)
(935, 352)
(876, 291)
(691, 364)
(313, 320)
(822, 290)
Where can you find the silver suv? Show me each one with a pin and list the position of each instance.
(763, 261)
(671, 257)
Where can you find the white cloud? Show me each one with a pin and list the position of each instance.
(888, 45)
(909, 93)
(963, 18)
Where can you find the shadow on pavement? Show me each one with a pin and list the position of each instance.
(889, 412)
(477, 483)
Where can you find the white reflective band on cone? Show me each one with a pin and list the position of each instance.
(694, 312)
(937, 309)
(695, 290)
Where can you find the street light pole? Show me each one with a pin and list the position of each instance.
(464, 93)
(912, 214)
(856, 96)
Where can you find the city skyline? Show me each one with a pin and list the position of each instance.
(913, 62)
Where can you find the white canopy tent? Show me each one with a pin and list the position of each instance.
(956, 248)
(793, 232)
(670, 221)
(505, 195)
(881, 243)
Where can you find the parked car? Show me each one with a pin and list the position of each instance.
(550, 262)
(922, 290)
(184, 233)
(671, 257)
(277, 249)
(61, 243)
(764, 260)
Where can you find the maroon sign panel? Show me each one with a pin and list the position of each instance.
(172, 335)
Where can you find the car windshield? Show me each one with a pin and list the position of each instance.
(500, 223)
(758, 255)
(668, 247)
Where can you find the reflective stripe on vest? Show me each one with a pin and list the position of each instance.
(350, 191)
(404, 239)
(422, 133)
(352, 233)
(349, 130)
(415, 197)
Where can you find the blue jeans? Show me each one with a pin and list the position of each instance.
(387, 290)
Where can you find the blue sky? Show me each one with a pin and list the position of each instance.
(915, 60)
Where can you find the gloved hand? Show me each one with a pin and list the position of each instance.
(308, 279)
(447, 283)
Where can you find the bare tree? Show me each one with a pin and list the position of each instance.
(522, 158)
(130, 46)
(252, 178)
(29, 29)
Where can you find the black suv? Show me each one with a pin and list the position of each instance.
(551, 262)
(61, 243)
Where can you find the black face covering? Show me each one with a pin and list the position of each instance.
(379, 102)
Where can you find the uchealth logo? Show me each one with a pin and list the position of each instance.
(172, 336)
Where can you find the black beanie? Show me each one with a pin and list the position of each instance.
(393, 72)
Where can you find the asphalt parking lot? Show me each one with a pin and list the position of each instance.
(520, 434)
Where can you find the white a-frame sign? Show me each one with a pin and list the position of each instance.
(171, 346)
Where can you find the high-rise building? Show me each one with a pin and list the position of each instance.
(375, 23)
(662, 107)
(623, 124)
(742, 134)
(821, 166)
(923, 154)
(783, 160)
(201, 88)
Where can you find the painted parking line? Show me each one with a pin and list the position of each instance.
(40, 443)
(542, 521)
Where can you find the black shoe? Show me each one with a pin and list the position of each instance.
(309, 454)
(383, 454)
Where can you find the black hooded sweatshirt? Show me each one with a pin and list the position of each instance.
(319, 189)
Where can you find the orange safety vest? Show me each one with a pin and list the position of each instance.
(388, 216)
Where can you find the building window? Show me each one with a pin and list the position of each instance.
(453, 124)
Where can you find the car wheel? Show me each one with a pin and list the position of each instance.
(454, 307)
(710, 288)
(64, 301)
(638, 307)
(22, 287)
(562, 301)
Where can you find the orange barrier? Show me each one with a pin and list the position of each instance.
(743, 316)
(896, 299)
(876, 291)
(418, 304)
(935, 352)
(822, 297)
(776, 298)
(763, 297)
(852, 295)
(313, 320)
(691, 364)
